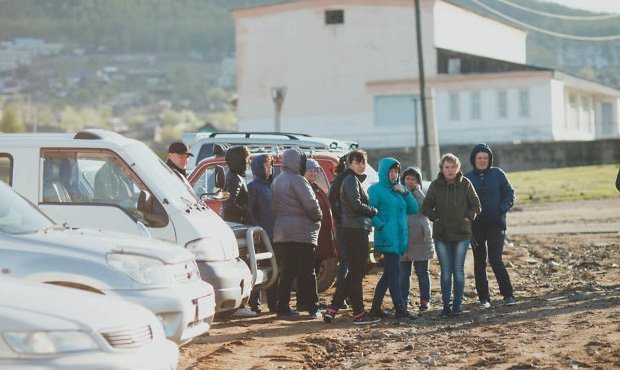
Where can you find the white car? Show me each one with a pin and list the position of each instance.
(160, 276)
(100, 179)
(48, 327)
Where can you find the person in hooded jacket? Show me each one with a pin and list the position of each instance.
(452, 204)
(236, 207)
(496, 197)
(355, 214)
(334, 199)
(263, 216)
(296, 231)
(421, 246)
(393, 203)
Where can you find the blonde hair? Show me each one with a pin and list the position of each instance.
(449, 157)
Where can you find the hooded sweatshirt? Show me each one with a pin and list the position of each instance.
(493, 188)
(260, 196)
(421, 246)
(236, 207)
(391, 231)
(452, 207)
(298, 215)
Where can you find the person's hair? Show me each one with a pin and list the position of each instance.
(449, 157)
(356, 155)
(246, 151)
(342, 165)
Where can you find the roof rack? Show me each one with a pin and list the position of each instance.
(247, 135)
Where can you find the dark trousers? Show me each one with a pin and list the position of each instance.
(489, 237)
(343, 266)
(297, 262)
(390, 279)
(356, 248)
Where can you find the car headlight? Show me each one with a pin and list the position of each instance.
(142, 269)
(213, 249)
(49, 342)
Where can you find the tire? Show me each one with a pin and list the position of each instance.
(326, 276)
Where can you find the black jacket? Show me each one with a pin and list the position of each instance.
(355, 211)
(236, 207)
(334, 196)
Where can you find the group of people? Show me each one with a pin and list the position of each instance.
(465, 209)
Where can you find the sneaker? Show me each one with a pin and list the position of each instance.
(329, 315)
(256, 309)
(405, 315)
(484, 305)
(344, 306)
(288, 314)
(364, 318)
(510, 301)
(377, 312)
(457, 310)
(315, 315)
(424, 306)
(445, 313)
(322, 306)
(244, 312)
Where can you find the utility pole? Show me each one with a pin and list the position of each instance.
(432, 149)
(277, 94)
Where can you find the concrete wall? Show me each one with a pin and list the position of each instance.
(522, 157)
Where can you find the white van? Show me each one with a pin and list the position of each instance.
(100, 179)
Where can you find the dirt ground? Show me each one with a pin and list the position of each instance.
(563, 261)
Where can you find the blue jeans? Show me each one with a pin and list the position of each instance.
(451, 256)
(424, 279)
(389, 279)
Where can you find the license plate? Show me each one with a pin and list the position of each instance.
(204, 307)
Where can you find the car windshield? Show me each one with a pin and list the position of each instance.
(170, 185)
(17, 215)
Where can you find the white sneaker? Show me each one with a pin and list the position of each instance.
(244, 312)
(484, 305)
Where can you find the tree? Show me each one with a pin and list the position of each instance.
(10, 122)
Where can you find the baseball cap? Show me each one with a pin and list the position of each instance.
(179, 147)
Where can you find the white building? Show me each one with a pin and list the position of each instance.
(351, 71)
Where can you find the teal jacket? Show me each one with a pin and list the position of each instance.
(391, 231)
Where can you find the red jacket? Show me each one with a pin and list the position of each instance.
(326, 247)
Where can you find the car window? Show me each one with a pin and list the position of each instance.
(98, 177)
(6, 168)
(17, 215)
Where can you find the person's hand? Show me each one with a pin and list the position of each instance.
(399, 189)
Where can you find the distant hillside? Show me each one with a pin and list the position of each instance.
(206, 26)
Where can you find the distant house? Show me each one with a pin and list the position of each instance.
(351, 71)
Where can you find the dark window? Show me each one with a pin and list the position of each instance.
(6, 168)
(334, 16)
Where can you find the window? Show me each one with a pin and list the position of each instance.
(475, 106)
(502, 104)
(524, 103)
(98, 177)
(454, 65)
(455, 108)
(397, 110)
(6, 168)
(334, 16)
(573, 114)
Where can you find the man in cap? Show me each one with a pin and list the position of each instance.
(178, 156)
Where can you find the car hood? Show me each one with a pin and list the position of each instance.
(96, 242)
(28, 306)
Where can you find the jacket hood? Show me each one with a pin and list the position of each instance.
(258, 166)
(235, 158)
(384, 171)
(442, 180)
(294, 160)
(481, 148)
(411, 170)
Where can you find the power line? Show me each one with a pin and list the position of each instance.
(560, 16)
(547, 32)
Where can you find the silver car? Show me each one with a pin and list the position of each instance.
(48, 327)
(160, 276)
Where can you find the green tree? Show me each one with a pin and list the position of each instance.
(10, 121)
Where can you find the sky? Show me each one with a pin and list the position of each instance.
(603, 6)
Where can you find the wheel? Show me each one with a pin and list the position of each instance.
(326, 276)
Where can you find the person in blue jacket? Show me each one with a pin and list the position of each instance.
(394, 202)
(263, 216)
(496, 197)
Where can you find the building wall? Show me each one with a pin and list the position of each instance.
(461, 30)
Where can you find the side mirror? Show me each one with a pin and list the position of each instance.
(152, 211)
(220, 177)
